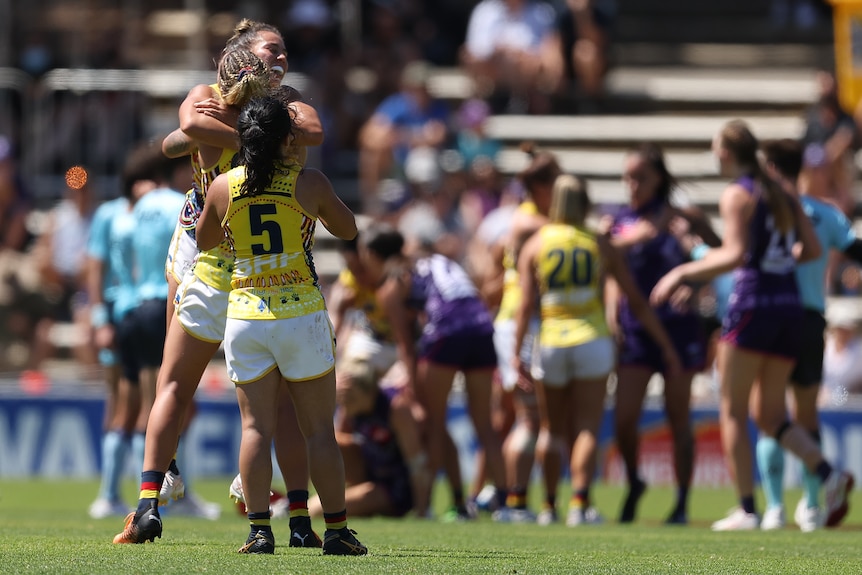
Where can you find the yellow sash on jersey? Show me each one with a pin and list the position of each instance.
(213, 267)
(569, 274)
(272, 237)
(511, 297)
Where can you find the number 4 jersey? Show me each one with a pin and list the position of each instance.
(569, 276)
(272, 236)
(767, 277)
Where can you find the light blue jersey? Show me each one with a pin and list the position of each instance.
(722, 286)
(121, 234)
(834, 231)
(155, 216)
(98, 244)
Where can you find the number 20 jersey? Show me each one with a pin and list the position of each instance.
(272, 236)
(569, 275)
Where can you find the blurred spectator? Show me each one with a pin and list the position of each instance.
(582, 31)
(14, 202)
(408, 119)
(471, 139)
(829, 125)
(310, 34)
(387, 46)
(842, 358)
(61, 256)
(800, 14)
(17, 279)
(510, 53)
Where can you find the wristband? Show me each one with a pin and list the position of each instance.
(699, 251)
(98, 315)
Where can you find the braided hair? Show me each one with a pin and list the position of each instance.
(241, 76)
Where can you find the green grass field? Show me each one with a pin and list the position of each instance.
(44, 528)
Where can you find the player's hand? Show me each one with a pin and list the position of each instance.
(665, 287)
(217, 109)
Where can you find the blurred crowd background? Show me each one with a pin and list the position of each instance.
(82, 81)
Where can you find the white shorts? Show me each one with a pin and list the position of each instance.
(301, 347)
(201, 309)
(557, 366)
(365, 348)
(504, 344)
(181, 254)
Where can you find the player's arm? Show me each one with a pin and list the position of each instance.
(314, 187)
(390, 297)
(409, 440)
(529, 293)
(341, 299)
(178, 144)
(306, 121)
(209, 232)
(205, 128)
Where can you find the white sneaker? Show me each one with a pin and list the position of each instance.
(280, 508)
(808, 518)
(172, 489)
(192, 506)
(546, 516)
(487, 499)
(773, 518)
(580, 516)
(513, 515)
(837, 487)
(101, 508)
(235, 490)
(737, 520)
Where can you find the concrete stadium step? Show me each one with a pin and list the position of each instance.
(765, 86)
(721, 55)
(689, 130)
(592, 162)
(729, 84)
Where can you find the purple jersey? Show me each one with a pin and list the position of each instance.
(648, 262)
(449, 298)
(767, 276)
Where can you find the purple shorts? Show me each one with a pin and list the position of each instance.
(466, 352)
(686, 333)
(771, 331)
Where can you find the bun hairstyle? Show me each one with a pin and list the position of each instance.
(241, 77)
(383, 240)
(739, 141)
(245, 33)
(542, 169)
(263, 125)
(570, 201)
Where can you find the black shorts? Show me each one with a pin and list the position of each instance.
(141, 338)
(809, 367)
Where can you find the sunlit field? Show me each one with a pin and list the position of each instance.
(44, 528)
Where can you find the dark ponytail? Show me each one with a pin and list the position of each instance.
(653, 155)
(263, 125)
